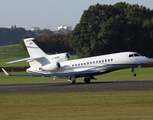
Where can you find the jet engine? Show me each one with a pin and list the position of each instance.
(51, 66)
(60, 57)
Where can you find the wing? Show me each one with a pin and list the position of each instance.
(82, 73)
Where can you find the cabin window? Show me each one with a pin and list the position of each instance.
(73, 65)
(108, 60)
(99, 61)
(90, 62)
(87, 63)
(102, 60)
(111, 59)
(84, 63)
(96, 61)
(93, 62)
(131, 55)
(105, 60)
(79, 64)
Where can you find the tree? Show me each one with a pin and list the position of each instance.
(113, 28)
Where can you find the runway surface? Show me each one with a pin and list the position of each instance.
(146, 84)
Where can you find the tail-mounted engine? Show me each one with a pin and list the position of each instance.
(51, 67)
(60, 57)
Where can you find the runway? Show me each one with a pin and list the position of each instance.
(25, 87)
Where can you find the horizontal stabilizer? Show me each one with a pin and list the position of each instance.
(25, 59)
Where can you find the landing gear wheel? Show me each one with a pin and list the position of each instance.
(71, 82)
(134, 75)
(87, 80)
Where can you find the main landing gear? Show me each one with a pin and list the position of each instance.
(133, 70)
(87, 80)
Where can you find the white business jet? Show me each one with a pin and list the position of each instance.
(60, 66)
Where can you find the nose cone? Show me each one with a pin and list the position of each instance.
(148, 60)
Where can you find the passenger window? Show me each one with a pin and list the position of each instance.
(93, 62)
(131, 55)
(75, 65)
(78, 64)
(84, 63)
(81, 64)
(105, 60)
(102, 60)
(96, 61)
(87, 63)
(99, 61)
(90, 62)
(111, 59)
(108, 60)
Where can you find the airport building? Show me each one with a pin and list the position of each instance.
(35, 28)
(61, 27)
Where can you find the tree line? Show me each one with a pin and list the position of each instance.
(14, 34)
(114, 28)
(51, 43)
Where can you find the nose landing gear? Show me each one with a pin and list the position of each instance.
(72, 80)
(133, 70)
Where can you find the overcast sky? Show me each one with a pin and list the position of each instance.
(50, 13)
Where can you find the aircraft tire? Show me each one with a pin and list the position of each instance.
(71, 82)
(87, 80)
(134, 75)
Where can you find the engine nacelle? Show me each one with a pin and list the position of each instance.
(51, 67)
(60, 57)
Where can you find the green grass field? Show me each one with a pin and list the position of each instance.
(74, 105)
(78, 105)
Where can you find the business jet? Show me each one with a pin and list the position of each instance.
(59, 65)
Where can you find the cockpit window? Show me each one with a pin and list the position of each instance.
(131, 55)
(136, 55)
(67, 55)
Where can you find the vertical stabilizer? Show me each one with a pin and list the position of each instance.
(33, 49)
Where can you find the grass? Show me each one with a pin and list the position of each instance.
(76, 105)
(11, 53)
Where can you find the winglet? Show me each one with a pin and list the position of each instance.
(6, 73)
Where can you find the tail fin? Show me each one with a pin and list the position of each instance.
(33, 49)
(37, 57)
